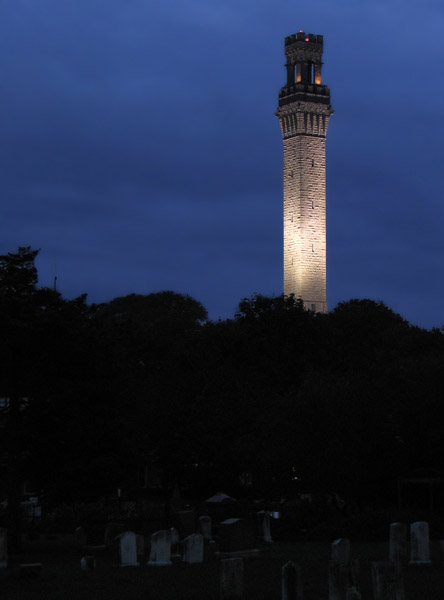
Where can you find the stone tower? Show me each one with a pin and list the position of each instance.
(304, 111)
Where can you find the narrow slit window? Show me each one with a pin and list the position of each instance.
(312, 204)
(312, 248)
(312, 162)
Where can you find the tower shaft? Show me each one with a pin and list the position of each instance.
(304, 111)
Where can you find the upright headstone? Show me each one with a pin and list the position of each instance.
(342, 573)
(265, 525)
(398, 543)
(88, 563)
(419, 543)
(29, 570)
(193, 548)
(160, 552)
(237, 536)
(340, 551)
(3, 547)
(353, 593)
(340, 581)
(387, 581)
(231, 579)
(205, 527)
(128, 549)
(292, 582)
(80, 536)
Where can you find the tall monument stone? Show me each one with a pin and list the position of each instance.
(304, 112)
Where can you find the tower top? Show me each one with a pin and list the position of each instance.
(303, 52)
(304, 46)
(301, 38)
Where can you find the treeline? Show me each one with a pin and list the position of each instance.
(275, 400)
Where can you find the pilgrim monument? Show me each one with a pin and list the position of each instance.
(304, 111)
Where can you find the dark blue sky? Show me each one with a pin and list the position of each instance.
(139, 148)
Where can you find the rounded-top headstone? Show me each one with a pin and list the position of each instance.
(419, 543)
(128, 549)
(387, 581)
(193, 548)
(231, 579)
(340, 551)
(291, 582)
(160, 552)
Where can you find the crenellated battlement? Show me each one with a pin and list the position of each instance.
(304, 40)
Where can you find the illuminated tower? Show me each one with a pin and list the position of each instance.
(304, 111)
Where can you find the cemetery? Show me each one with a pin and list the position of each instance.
(157, 455)
(240, 558)
(285, 452)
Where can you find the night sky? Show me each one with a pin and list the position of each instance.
(140, 152)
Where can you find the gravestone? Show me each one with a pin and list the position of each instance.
(342, 573)
(231, 579)
(186, 522)
(353, 594)
(292, 582)
(29, 570)
(419, 543)
(205, 527)
(3, 547)
(219, 498)
(112, 530)
(128, 549)
(193, 548)
(340, 551)
(88, 563)
(80, 536)
(160, 552)
(237, 536)
(221, 507)
(340, 581)
(398, 543)
(387, 581)
(265, 525)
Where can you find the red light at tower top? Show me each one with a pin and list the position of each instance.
(300, 30)
(307, 39)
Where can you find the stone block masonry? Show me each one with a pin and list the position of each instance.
(304, 112)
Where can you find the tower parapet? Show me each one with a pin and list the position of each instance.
(304, 111)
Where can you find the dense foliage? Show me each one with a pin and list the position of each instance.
(275, 400)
